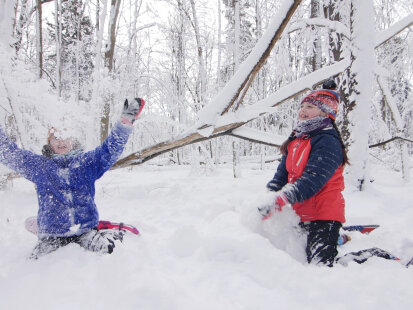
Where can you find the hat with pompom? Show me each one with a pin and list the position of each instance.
(326, 99)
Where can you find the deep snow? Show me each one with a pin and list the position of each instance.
(203, 246)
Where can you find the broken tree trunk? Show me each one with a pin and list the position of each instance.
(243, 116)
(228, 96)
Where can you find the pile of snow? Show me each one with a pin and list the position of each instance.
(203, 246)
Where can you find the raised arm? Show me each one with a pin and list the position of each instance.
(107, 154)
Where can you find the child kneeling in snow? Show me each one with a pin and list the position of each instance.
(310, 175)
(65, 183)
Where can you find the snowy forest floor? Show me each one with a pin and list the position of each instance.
(203, 246)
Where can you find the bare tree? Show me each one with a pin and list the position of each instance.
(58, 38)
(39, 39)
(201, 62)
(109, 55)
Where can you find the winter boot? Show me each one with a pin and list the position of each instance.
(100, 241)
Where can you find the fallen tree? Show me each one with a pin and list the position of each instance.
(216, 118)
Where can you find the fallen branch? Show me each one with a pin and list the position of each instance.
(226, 124)
(248, 69)
(393, 30)
(390, 140)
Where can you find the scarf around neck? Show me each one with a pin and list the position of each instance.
(316, 123)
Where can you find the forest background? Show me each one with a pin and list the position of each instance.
(223, 79)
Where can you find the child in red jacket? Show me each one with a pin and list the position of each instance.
(310, 175)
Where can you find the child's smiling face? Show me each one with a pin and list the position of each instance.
(308, 111)
(60, 146)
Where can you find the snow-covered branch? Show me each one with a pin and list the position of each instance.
(393, 30)
(227, 123)
(247, 70)
(309, 82)
(391, 103)
(334, 26)
(390, 140)
(258, 136)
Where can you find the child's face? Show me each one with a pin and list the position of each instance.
(308, 111)
(61, 146)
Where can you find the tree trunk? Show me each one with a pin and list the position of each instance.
(39, 40)
(104, 120)
(110, 49)
(109, 54)
(336, 44)
(360, 90)
(201, 63)
(58, 35)
(19, 26)
(219, 44)
(237, 34)
(317, 57)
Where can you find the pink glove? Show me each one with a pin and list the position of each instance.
(267, 211)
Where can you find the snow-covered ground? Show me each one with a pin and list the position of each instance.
(203, 246)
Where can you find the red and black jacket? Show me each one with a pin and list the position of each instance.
(311, 176)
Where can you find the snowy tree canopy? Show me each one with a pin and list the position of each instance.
(181, 60)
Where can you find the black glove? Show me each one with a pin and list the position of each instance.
(131, 110)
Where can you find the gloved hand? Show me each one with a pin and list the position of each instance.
(131, 110)
(279, 202)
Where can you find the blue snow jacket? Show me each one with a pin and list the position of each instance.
(65, 183)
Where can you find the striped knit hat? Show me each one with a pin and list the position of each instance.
(326, 99)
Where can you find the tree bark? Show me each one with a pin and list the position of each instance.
(110, 50)
(58, 35)
(109, 55)
(316, 59)
(39, 39)
(201, 63)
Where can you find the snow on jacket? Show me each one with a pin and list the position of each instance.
(311, 176)
(65, 183)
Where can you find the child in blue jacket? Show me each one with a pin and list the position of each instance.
(65, 183)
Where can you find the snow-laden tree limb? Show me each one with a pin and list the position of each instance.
(258, 136)
(227, 123)
(398, 120)
(391, 103)
(335, 26)
(250, 67)
(390, 140)
(306, 83)
(393, 30)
